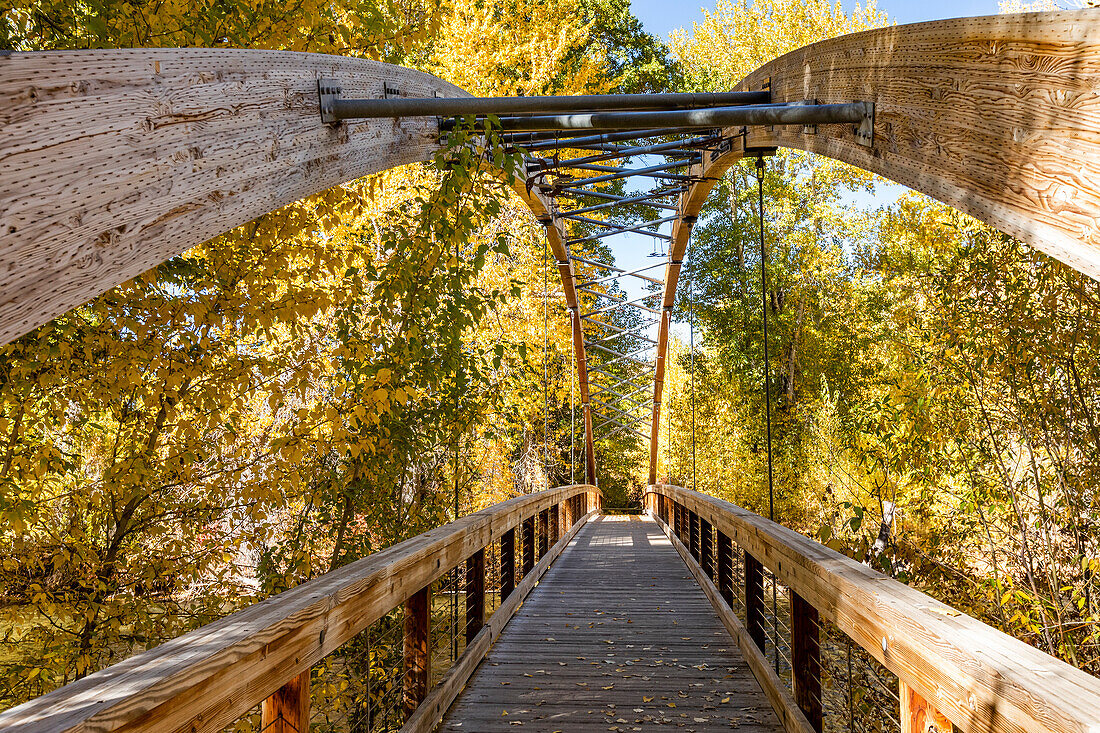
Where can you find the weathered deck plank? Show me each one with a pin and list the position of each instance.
(616, 637)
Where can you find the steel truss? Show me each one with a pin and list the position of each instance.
(612, 165)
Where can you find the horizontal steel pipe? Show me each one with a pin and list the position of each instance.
(346, 109)
(566, 139)
(626, 153)
(574, 192)
(645, 199)
(765, 114)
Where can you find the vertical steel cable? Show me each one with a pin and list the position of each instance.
(457, 434)
(545, 374)
(572, 413)
(691, 342)
(767, 391)
(764, 308)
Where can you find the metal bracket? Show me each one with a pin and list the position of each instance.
(808, 129)
(724, 146)
(865, 132)
(328, 91)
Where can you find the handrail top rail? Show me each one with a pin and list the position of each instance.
(177, 681)
(980, 678)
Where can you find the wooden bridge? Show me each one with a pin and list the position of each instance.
(697, 615)
(543, 613)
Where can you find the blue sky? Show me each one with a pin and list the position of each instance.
(661, 17)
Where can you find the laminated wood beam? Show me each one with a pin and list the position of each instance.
(114, 161)
(997, 116)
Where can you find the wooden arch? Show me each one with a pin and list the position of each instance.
(997, 116)
(112, 162)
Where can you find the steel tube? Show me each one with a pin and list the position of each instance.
(627, 153)
(612, 197)
(629, 396)
(345, 109)
(545, 140)
(644, 199)
(596, 263)
(617, 383)
(623, 413)
(605, 278)
(627, 399)
(627, 173)
(637, 228)
(618, 304)
(620, 429)
(764, 114)
(610, 224)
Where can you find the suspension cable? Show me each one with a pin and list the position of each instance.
(691, 342)
(572, 414)
(458, 435)
(545, 374)
(764, 308)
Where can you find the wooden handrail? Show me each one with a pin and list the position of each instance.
(977, 677)
(206, 679)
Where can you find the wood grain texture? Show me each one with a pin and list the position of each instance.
(417, 649)
(205, 679)
(113, 161)
(439, 700)
(783, 703)
(287, 711)
(997, 116)
(616, 635)
(917, 716)
(979, 678)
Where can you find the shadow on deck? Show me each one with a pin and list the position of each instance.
(616, 636)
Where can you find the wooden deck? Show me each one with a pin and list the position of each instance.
(618, 637)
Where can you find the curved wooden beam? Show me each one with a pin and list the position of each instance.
(555, 234)
(997, 116)
(112, 162)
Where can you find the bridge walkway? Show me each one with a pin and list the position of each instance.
(617, 636)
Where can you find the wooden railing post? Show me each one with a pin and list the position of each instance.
(555, 524)
(754, 600)
(544, 532)
(693, 535)
(287, 711)
(806, 659)
(528, 544)
(507, 563)
(725, 568)
(706, 548)
(475, 594)
(418, 659)
(918, 716)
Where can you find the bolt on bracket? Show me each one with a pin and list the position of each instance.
(865, 131)
(328, 91)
